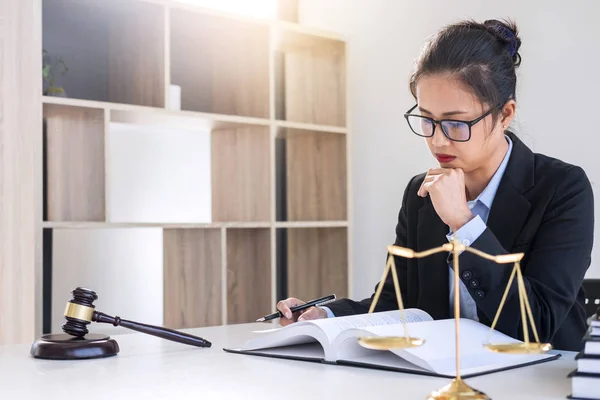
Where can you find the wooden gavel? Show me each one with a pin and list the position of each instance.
(80, 311)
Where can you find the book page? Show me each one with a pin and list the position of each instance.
(292, 335)
(334, 326)
(437, 354)
(325, 331)
(304, 351)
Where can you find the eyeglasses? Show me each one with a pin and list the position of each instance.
(456, 130)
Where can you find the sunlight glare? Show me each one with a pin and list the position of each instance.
(250, 8)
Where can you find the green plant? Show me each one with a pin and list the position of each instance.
(50, 70)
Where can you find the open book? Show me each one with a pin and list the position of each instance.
(335, 341)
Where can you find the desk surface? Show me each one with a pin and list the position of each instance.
(153, 368)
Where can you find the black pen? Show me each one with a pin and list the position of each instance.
(316, 302)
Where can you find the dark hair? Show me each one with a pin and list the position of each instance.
(481, 55)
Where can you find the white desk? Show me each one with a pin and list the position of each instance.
(153, 368)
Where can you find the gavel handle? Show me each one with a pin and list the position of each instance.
(161, 332)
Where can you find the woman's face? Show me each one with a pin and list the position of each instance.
(441, 97)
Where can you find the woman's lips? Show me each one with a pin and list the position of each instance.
(444, 158)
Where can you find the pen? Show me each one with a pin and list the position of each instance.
(316, 302)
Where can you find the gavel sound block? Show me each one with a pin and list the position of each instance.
(77, 343)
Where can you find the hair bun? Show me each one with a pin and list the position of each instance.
(507, 32)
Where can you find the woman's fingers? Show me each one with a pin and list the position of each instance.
(285, 307)
(427, 182)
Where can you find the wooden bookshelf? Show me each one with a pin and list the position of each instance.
(227, 70)
(271, 95)
(115, 51)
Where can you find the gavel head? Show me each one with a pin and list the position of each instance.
(79, 312)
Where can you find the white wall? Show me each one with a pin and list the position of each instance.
(559, 75)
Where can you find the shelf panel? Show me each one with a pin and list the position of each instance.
(226, 225)
(192, 278)
(283, 28)
(248, 274)
(114, 51)
(226, 70)
(104, 225)
(240, 174)
(310, 76)
(136, 57)
(75, 187)
(128, 113)
(310, 127)
(316, 261)
(314, 185)
(312, 224)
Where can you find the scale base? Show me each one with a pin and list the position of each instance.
(456, 390)
(67, 347)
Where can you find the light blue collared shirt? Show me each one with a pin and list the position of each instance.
(480, 207)
(467, 234)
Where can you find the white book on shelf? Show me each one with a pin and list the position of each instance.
(158, 174)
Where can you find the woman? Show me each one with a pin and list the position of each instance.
(491, 192)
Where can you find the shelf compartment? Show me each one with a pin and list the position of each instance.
(74, 163)
(192, 278)
(310, 79)
(114, 50)
(248, 274)
(241, 174)
(313, 262)
(312, 184)
(221, 64)
(124, 267)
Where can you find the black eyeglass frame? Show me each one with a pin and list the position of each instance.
(436, 122)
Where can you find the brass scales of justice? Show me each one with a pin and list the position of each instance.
(457, 388)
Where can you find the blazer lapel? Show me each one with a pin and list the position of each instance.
(433, 270)
(510, 208)
(508, 215)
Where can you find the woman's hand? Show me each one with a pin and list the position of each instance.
(446, 187)
(289, 317)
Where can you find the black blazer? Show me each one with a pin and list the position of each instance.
(543, 207)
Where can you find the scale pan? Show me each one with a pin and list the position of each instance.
(520, 348)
